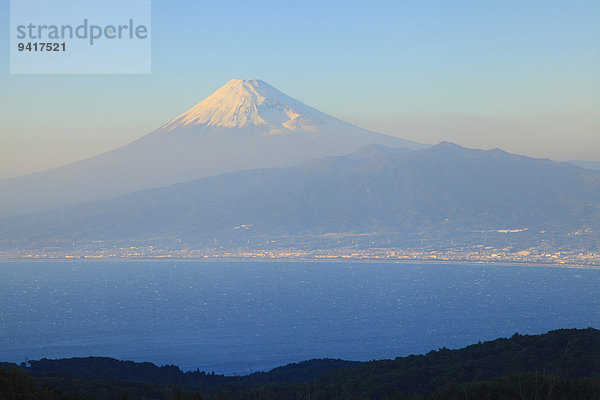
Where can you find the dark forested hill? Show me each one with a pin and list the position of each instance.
(561, 364)
(564, 353)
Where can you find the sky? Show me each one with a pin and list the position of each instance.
(523, 76)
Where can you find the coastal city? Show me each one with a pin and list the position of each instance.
(474, 254)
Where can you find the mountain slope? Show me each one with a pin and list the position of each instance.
(446, 188)
(594, 165)
(253, 104)
(245, 124)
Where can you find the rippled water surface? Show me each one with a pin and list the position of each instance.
(233, 317)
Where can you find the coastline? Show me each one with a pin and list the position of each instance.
(300, 260)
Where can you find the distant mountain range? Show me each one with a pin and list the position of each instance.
(251, 165)
(244, 124)
(443, 190)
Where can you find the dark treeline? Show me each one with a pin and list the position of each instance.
(105, 368)
(562, 364)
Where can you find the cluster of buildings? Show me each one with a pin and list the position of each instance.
(474, 254)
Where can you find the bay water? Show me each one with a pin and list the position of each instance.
(241, 317)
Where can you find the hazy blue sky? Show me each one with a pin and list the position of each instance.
(520, 75)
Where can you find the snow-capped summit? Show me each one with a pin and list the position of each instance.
(243, 103)
(244, 124)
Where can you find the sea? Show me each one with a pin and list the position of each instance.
(236, 318)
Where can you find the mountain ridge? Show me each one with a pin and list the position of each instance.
(445, 189)
(243, 125)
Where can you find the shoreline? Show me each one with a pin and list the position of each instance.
(299, 260)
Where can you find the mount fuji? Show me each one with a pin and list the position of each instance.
(245, 124)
